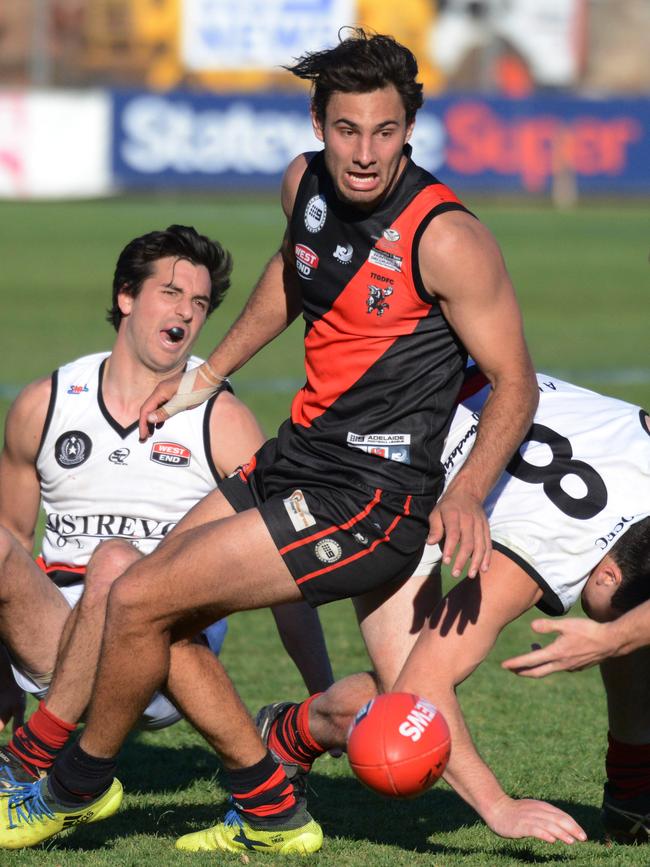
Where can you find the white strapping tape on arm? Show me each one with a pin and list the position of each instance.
(186, 397)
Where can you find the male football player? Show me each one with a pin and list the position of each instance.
(71, 443)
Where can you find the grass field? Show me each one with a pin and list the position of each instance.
(582, 278)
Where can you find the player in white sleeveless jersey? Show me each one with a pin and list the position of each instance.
(71, 442)
(570, 516)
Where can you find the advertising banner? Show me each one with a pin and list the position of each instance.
(472, 142)
(258, 34)
(54, 144)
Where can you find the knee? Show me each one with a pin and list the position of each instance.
(109, 560)
(131, 602)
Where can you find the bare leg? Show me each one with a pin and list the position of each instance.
(32, 610)
(390, 624)
(191, 580)
(69, 694)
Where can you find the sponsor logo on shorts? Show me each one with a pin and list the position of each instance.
(72, 449)
(171, 454)
(376, 300)
(328, 550)
(361, 539)
(391, 447)
(391, 235)
(382, 259)
(119, 456)
(76, 389)
(343, 253)
(315, 214)
(306, 260)
(298, 511)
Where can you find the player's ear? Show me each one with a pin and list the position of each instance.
(124, 302)
(316, 124)
(609, 574)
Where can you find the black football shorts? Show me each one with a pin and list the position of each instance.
(337, 542)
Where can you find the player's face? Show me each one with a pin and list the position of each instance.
(597, 593)
(165, 318)
(364, 135)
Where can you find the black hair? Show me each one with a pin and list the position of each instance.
(136, 263)
(632, 556)
(360, 63)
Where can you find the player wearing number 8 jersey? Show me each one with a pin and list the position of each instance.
(570, 516)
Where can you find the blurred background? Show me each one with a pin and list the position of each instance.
(120, 116)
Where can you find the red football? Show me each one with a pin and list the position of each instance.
(398, 744)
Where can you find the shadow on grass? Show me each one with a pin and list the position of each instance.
(343, 807)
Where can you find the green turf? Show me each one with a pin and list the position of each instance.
(582, 278)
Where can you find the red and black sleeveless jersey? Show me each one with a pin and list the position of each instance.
(383, 366)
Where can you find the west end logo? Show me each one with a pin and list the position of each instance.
(171, 454)
(315, 214)
(306, 260)
(72, 449)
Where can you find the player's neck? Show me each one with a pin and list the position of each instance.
(126, 384)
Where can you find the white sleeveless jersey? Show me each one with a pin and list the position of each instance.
(99, 482)
(580, 479)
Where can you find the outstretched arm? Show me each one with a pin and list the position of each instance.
(582, 643)
(272, 306)
(462, 267)
(462, 632)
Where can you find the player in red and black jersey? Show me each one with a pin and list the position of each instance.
(396, 282)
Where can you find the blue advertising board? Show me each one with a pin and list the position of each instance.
(206, 141)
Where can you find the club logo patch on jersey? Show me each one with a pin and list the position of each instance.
(119, 456)
(391, 447)
(390, 261)
(76, 389)
(328, 551)
(171, 454)
(72, 449)
(391, 235)
(343, 253)
(298, 511)
(306, 260)
(315, 214)
(376, 300)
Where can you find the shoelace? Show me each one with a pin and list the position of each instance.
(231, 818)
(28, 806)
(9, 782)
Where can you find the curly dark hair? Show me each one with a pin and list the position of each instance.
(360, 63)
(136, 263)
(632, 555)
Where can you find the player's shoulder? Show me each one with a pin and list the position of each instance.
(291, 180)
(84, 363)
(26, 417)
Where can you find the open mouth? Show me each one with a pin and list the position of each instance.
(360, 180)
(175, 333)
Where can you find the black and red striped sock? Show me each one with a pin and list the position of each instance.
(628, 769)
(290, 738)
(262, 793)
(37, 743)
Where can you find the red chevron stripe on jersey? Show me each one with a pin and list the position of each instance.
(352, 336)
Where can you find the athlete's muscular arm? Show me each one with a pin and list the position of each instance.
(463, 630)
(20, 491)
(462, 267)
(272, 306)
(235, 436)
(582, 643)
